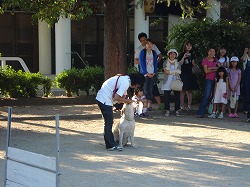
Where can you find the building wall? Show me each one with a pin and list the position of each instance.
(18, 38)
(88, 39)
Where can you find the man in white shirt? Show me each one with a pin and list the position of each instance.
(114, 90)
(142, 37)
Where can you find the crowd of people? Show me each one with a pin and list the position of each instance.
(223, 78)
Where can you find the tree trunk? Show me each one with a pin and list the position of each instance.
(115, 40)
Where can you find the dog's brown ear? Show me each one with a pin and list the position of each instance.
(122, 111)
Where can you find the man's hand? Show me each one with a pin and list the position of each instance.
(136, 61)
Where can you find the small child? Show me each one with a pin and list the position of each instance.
(234, 75)
(220, 92)
(140, 103)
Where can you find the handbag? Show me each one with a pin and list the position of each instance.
(176, 84)
(196, 69)
(210, 107)
(233, 100)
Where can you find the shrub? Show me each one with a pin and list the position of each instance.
(2, 77)
(132, 69)
(95, 76)
(47, 82)
(68, 80)
(20, 84)
(74, 79)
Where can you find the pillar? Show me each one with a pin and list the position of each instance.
(141, 23)
(214, 9)
(63, 44)
(44, 40)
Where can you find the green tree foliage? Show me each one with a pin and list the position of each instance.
(49, 11)
(240, 10)
(189, 7)
(204, 33)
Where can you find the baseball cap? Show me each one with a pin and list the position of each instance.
(235, 59)
(172, 51)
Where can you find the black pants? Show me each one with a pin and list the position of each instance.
(167, 100)
(107, 113)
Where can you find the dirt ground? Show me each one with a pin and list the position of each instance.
(172, 151)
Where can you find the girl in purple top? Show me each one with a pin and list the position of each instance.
(234, 74)
(210, 66)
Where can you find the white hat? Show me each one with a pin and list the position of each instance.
(172, 51)
(234, 59)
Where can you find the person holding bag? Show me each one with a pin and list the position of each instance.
(172, 71)
(189, 79)
(234, 75)
(220, 92)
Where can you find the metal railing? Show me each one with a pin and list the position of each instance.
(76, 53)
(4, 59)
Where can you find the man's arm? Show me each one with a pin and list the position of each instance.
(159, 57)
(136, 61)
(120, 99)
(137, 54)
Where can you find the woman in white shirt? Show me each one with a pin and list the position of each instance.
(171, 69)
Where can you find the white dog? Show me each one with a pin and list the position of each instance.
(126, 127)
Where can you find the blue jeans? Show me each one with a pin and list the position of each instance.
(148, 88)
(167, 100)
(107, 113)
(209, 87)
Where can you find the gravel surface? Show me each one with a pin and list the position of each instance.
(172, 151)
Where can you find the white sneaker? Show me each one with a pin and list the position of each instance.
(213, 115)
(167, 113)
(220, 116)
(115, 148)
(177, 113)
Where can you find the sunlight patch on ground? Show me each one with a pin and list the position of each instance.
(2, 154)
